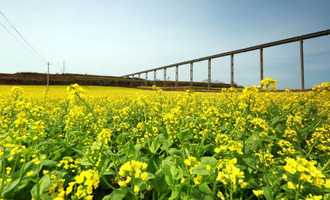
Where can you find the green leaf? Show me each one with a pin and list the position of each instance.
(44, 183)
(121, 138)
(49, 163)
(85, 162)
(150, 176)
(159, 182)
(204, 188)
(277, 120)
(209, 161)
(28, 167)
(44, 143)
(57, 156)
(175, 152)
(209, 148)
(104, 164)
(250, 162)
(77, 151)
(185, 135)
(252, 183)
(116, 195)
(110, 172)
(156, 143)
(166, 144)
(114, 157)
(166, 168)
(154, 163)
(251, 144)
(176, 172)
(133, 151)
(46, 197)
(22, 184)
(175, 193)
(201, 170)
(9, 187)
(268, 193)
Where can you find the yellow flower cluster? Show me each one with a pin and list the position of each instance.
(74, 90)
(268, 84)
(321, 139)
(313, 197)
(231, 146)
(259, 123)
(192, 162)
(324, 86)
(230, 174)
(132, 170)
(290, 134)
(85, 182)
(287, 148)
(68, 163)
(306, 171)
(265, 157)
(258, 193)
(105, 135)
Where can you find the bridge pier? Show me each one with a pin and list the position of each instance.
(164, 84)
(177, 76)
(209, 75)
(302, 64)
(232, 70)
(154, 77)
(191, 74)
(261, 64)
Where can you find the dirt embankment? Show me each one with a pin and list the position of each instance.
(67, 79)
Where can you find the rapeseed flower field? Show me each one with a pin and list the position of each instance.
(95, 143)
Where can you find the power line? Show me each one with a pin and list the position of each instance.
(23, 37)
(19, 41)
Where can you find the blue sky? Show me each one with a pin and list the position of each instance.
(107, 37)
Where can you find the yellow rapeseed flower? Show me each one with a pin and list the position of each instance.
(258, 193)
(29, 173)
(136, 189)
(144, 176)
(291, 186)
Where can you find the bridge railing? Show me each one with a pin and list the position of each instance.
(259, 47)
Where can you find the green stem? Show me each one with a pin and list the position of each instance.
(89, 108)
(266, 176)
(154, 194)
(231, 191)
(3, 170)
(239, 120)
(107, 183)
(325, 166)
(214, 188)
(12, 171)
(311, 148)
(38, 183)
(200, 145)
(22, 170)
(298, 191)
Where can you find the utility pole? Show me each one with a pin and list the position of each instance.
(63, 66)
(48, 76)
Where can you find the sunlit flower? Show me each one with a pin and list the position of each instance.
(258, 193)
(29, 173)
